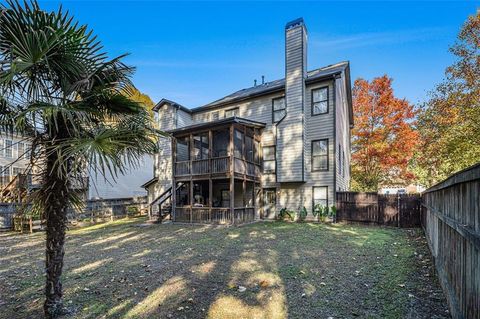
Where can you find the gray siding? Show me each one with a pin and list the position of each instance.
(169, 118)
(342, 156)
(290, 138)
(320, 127)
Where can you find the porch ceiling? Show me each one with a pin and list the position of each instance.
(218, 123)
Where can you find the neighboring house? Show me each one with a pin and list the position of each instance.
(401, 189)
(15, 171)
(17, 176)
(284, 143)
(123, 185)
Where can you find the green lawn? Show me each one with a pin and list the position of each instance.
(124, 269)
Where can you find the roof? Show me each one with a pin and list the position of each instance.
(271, 87)
(228, 120)
(150, 182)
(172, 103)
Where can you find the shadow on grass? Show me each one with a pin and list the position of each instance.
(122, 270)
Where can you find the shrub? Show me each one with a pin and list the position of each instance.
(322, 212)
(302, 215)
(284, 213)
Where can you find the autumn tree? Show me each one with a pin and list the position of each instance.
(449, 123)
(383, 139)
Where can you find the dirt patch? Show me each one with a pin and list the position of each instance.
(263, 270)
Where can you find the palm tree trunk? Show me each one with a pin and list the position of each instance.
(56, 205)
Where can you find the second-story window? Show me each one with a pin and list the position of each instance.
(269, 159)
(320, 155)
(9, 148)
(278, 109)
(215, 115)
(231, 112)
(21, 150)
(320, 101)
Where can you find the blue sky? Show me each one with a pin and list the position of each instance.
(196, 52)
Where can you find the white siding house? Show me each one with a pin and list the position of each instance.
(305, 121)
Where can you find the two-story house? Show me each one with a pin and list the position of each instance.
(284, 143)
(17, 174)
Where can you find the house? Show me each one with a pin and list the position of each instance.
(401, 189)
(17, 176)
(284, 143)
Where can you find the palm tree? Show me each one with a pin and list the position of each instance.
(59, 89)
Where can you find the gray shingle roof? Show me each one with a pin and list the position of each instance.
(273, 86)
(262, 89)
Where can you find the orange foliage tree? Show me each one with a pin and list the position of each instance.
(383, 138)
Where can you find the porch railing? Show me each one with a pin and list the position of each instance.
(220, 164)
(214, 215)
(182, 168)
(239, 166)
(200, 167)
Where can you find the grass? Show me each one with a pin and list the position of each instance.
(124, 269)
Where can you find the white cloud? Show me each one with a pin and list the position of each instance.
(377, 38)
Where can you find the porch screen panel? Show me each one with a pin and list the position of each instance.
(249, 148)
(183, 194)
(200, 148)
(183, 149)
(257, 152)
(220, 143)
(238, 143)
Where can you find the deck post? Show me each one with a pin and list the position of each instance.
(174, 183)
(210, 183)
(232, 175)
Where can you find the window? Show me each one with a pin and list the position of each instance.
(320, 155)
(183, 149)
(278, 109)
(27, 148)
(269, 159)
(9, 148)
(16, 171)
(21, 149)
(320, 101)
(231, 112)
(340, 159)
(320, 196)
(200, 146)
(4, 175)
(215, 115)
(343, 162)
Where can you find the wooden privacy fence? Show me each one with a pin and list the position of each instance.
(402, 210)
(451, 220)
